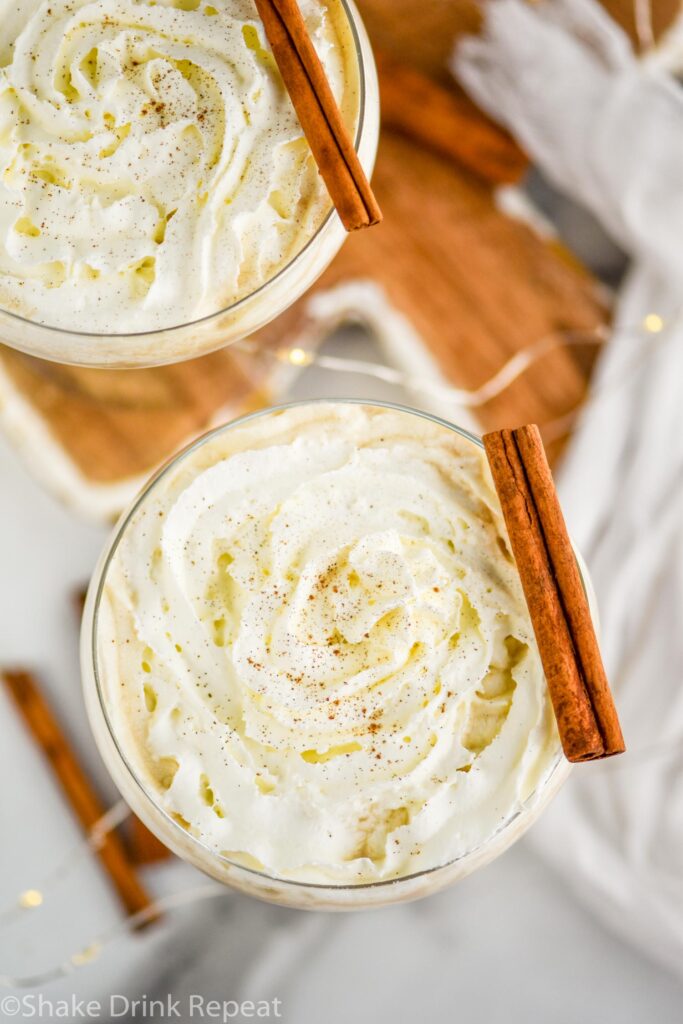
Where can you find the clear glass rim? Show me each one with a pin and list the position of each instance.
(102, 571)
(234, 307)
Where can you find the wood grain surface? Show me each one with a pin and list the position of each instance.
(116, 424)
(476, 285)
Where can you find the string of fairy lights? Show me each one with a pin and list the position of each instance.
(30, 899)
(653, 328)
(465, 398)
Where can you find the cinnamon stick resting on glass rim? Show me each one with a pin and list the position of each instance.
(558, 606)
(317, 110)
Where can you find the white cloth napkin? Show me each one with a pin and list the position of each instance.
(608, 130)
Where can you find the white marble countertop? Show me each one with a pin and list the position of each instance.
(508, 944)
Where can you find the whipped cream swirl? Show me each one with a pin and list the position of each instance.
(314, 649)
(152, 168)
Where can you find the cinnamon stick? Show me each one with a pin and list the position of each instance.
(78, 597)
(87, 807)
(446, 122)
(143, 845)
(586, 716)
(317, 110)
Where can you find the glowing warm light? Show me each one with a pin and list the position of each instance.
(30, 898)
(84, 956)
(653, 323)
(299, 357)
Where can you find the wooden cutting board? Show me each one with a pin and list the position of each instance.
(133, 417)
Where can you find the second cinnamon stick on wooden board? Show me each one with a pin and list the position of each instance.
(446, 122)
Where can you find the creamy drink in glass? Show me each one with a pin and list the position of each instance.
(158, 198)
(308, 661)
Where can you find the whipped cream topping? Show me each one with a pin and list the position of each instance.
(314, 649)
(152, 168)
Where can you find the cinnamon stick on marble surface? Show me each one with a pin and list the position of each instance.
(317, 110)
(142, 845)
(45, 730)
(558, 606)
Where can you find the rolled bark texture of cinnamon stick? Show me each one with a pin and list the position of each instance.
(558, 606)
(309, 90)
(86, 805)
(447, 123)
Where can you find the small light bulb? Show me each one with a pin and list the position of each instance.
(299, 357)
(84, 956)
(653, 323)
(30, 898)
